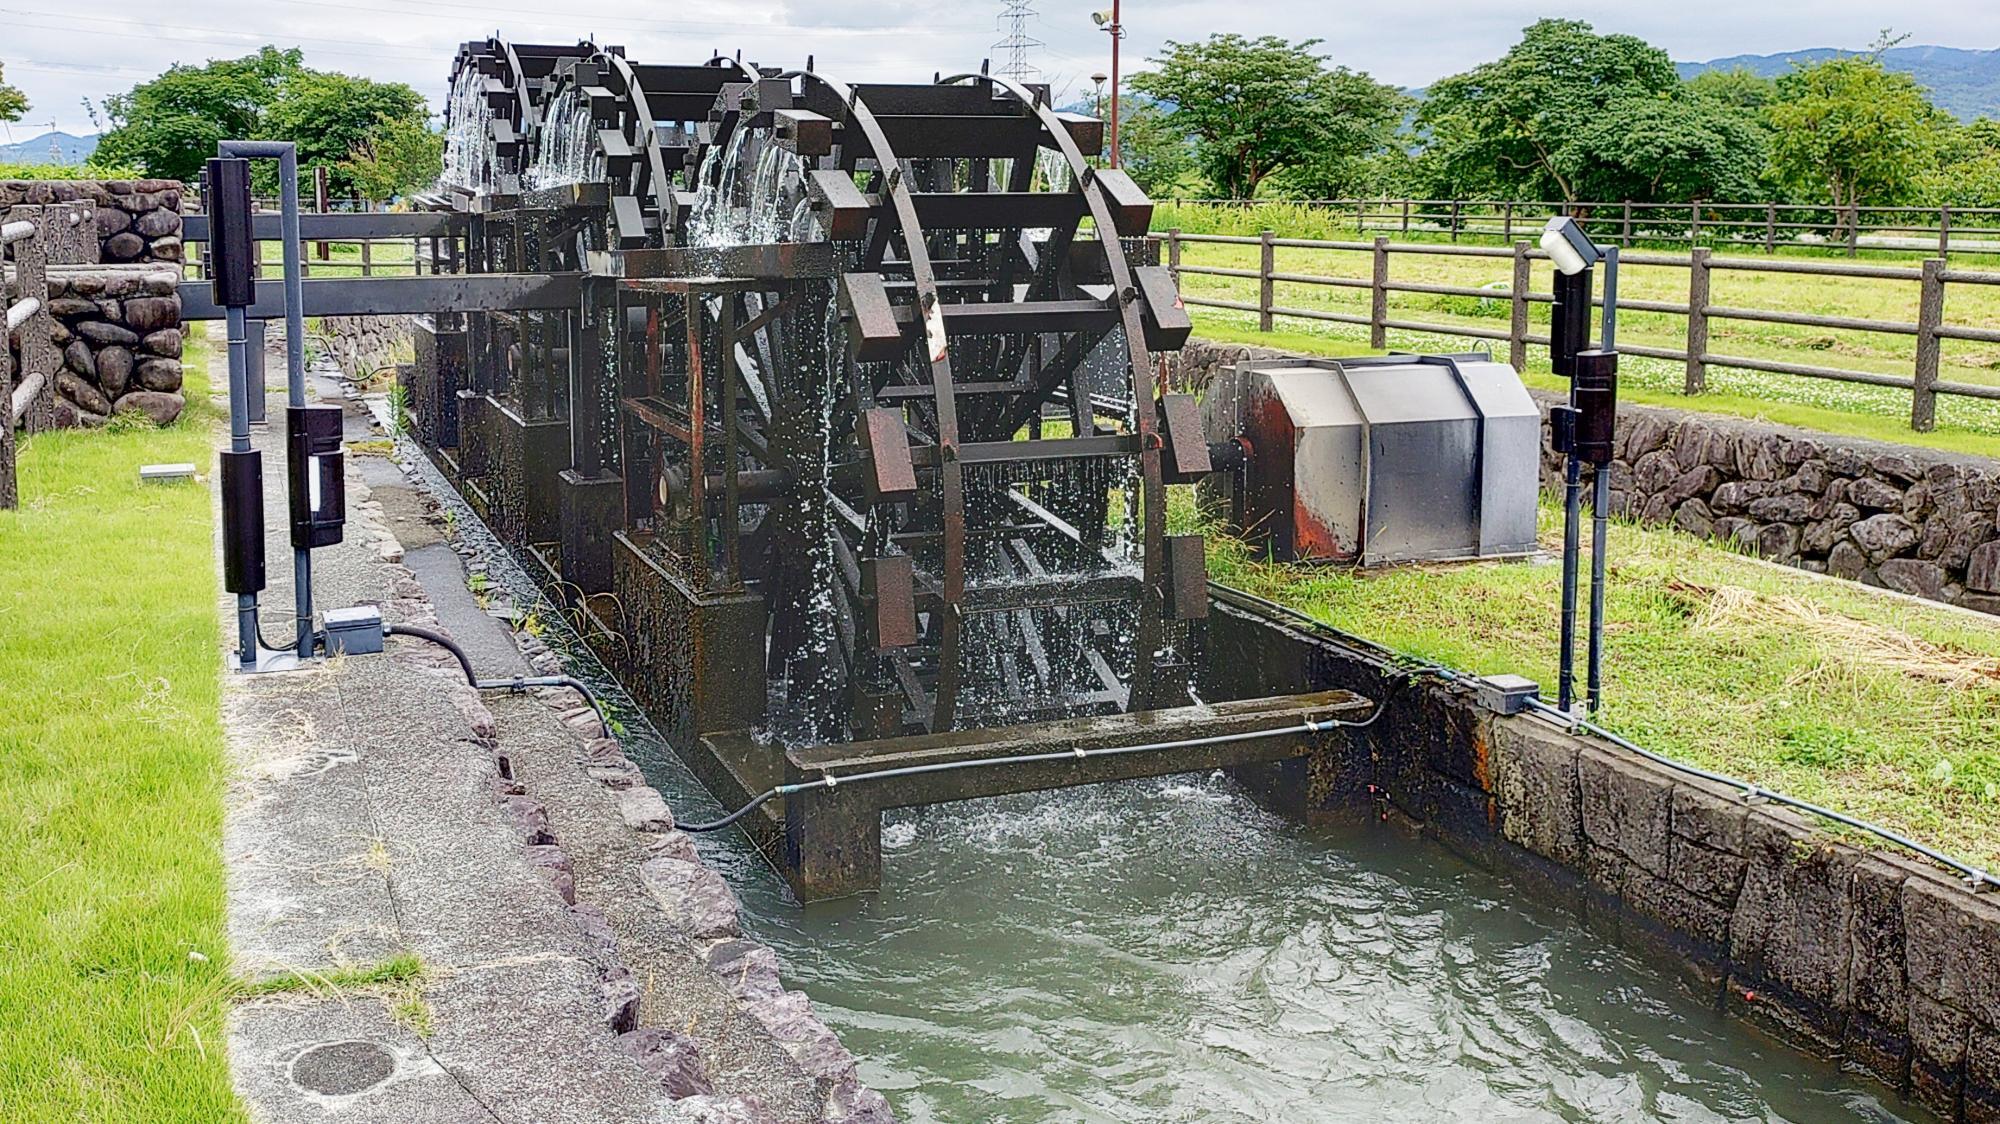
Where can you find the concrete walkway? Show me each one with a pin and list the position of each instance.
(578, 962)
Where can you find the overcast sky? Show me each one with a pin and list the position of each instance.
(62, 53)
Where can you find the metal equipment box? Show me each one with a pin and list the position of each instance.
(1396, 458)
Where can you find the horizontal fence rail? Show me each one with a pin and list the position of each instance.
(1932, 278)
(1767, 226)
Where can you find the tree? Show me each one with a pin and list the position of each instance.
(1678, 147)
(1967, 172)
(329, 116)
(170, 124)
(1256, 107)
(13, 103)
(1152, 149)
(1850, 131)
(401, 155)
(1573, 115)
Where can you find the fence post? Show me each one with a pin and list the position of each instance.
(1625, 227)
(38, 341)
(1266, 288)
(320, 205)
(9, 490)
(1944, 231)
(1853, 229)
(1517, 325)
(1770, 228)
(368, 259)
(1454, 220)
(1697, 334)
(1406, 216)
(1174, 252)
(1694, 224)
(1930, 314)
(1378, 303)
(1507, 223)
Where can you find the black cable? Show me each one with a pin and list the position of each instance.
(441, 640)
(516, 683)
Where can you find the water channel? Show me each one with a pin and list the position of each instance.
(1164, 950)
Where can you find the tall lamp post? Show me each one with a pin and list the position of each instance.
(1097, 100)
(1108, 20)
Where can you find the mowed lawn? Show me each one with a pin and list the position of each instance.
(1964, 424)
(1873, 704)
(113, 968)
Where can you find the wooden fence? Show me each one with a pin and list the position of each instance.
(1933, 279)
(25, 402)
(1764, 226)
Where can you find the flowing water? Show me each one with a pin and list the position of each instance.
(1163, 950)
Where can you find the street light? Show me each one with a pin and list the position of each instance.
(1108, 20)
(1582, 430)
(1097, 99)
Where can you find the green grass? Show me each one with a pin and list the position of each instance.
(1634, 386)
(114, 973)
(1875, 705)
(1964, 424)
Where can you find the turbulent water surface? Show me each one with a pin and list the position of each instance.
(1164, 951)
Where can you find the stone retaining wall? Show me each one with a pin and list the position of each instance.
(1910, 519)
(365, 344)
(119, 329)
(137, 220)
(1889, 964)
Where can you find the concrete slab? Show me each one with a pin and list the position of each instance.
(379, 806)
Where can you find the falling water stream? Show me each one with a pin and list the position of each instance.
(1165, 951)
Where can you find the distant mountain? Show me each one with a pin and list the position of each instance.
(37, 150)
(1964, 83)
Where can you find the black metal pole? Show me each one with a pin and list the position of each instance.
(1600, 523)
(1572, 519)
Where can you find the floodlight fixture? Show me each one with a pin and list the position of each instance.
(1569, 247)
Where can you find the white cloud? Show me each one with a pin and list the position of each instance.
(62, 55)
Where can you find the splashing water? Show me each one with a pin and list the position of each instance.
(568, 151)
(468, 146)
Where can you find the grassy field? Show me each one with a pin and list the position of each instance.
(1880, 706)
(113, 968)
(1966, 425)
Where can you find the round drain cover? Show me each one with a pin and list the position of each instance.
(340, 1069)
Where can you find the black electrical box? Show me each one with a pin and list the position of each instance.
(1569, 321)
(316, 470)
(1595, 392)
(242, 480)
(232, 244)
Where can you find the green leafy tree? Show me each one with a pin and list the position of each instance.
(402, 154)
(1676, 147)
(1258, 107)
(1967, 172)
(13, 103)
(1573, 115)
(330, 116)
(1152, 149)
(170, 124)
(1737, 88)
(1848, 131)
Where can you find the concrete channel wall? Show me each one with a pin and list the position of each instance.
(1890, 965)
(1913, 520)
